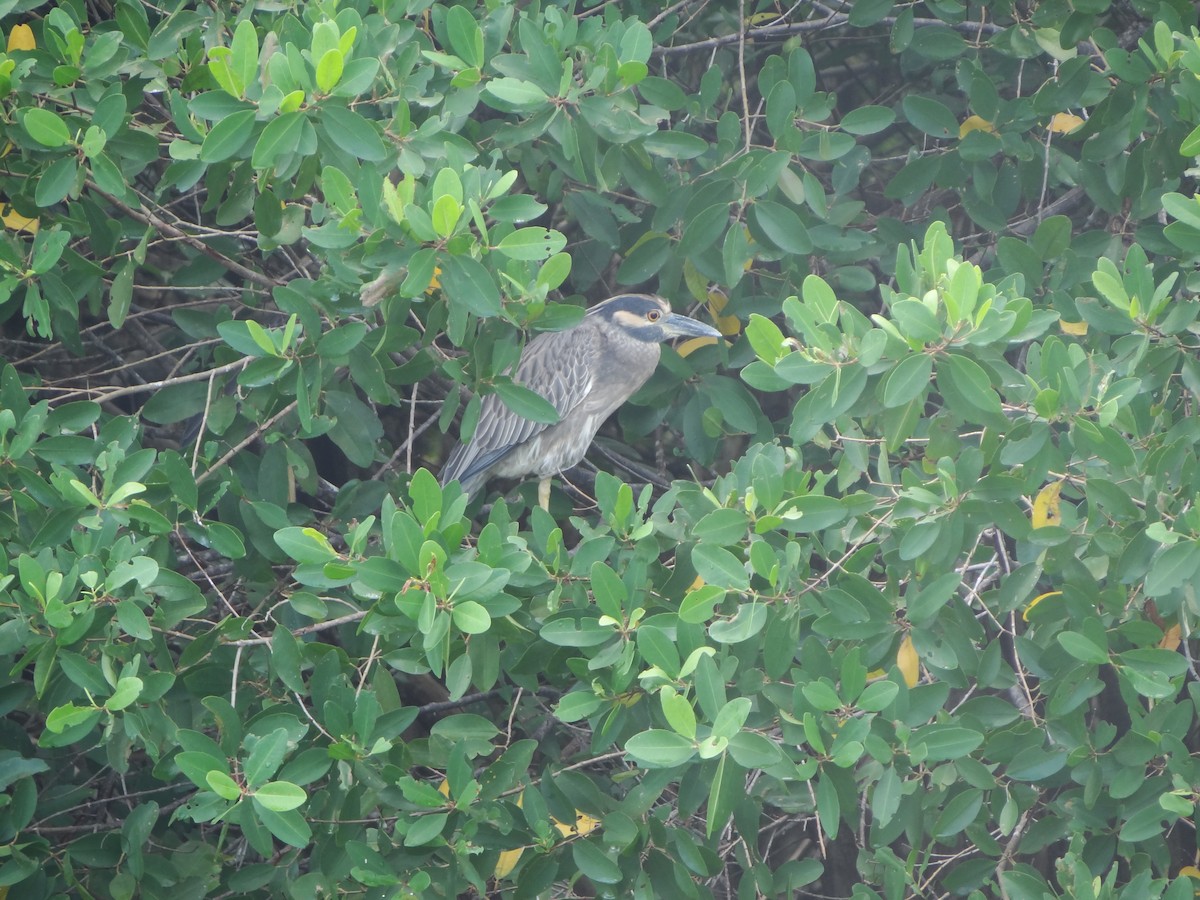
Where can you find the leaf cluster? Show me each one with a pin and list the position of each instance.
(891, 592)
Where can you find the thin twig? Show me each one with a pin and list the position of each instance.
(307, 629)
(167, 228)
(1010, 850)
(244, 443)
(782, 32)
(746, 125)
(102, 396)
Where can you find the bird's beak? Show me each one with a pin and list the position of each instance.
(676, 325)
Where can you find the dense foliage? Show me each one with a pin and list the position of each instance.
(889, 594)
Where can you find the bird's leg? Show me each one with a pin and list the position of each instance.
(544, 494)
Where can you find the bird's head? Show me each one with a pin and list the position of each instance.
(645, 317)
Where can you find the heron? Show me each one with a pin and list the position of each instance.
(586, 373)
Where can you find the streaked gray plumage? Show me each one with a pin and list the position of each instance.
(585, 372)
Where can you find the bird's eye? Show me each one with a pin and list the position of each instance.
(654, 315)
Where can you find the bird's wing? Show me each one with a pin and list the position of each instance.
(559, 366)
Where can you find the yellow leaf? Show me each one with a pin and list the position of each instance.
(697, 284)
(715, 299)
(434, 283)
(509, 858)
(727, 325)
(1036, 600)
(1190, 871)
(697, 584)
(1064, 123)
(507, 862)
(1171, 641)
(1047, 507)
(1072, 327)
(444, 787)
(975, 123)
(908, 662)
(691, 345)
(14, 221)
(21, 38)
(584, 824)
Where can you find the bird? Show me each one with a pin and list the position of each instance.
(586, 372)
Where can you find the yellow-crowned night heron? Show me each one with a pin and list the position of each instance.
(585, 372)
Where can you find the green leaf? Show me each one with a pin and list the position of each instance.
(531, 243)
(280, 137)
(466, 37)
(266, 757)
(828, 807)
(56, 182)
(1082, 648)
(946, 741)
(526, 403)
(329, 70)
(128, 689)
(471, 617)
(305, 545)
(877, 696)
(133, 621)
(228, 136)
(675, 145)
(930, 116)
(196, 764)
(717, 566)
(445, 215)
(465, 281)
(515, 94)
(697, 607)
(280, 796)
(658, 649)
(722, 526)
(68, 715)
(1191, 143)
(732, 717)
(779, 226)
(569, 632)
(662, 92)
(577, 705)
(287, 660)
(595, 863)
(867, 119)
(822, 696)
(659, 749)
(426, 829)
(1110, 287)
(909, 380)
(678, 712)
(222, 785)
(958, 813)
(967, 389)
(288, 826)
(754, 751)
(46, 127)
(48, 247)
(120, 295)
(1174, 567)
(885, 799)
(351, 132)
(750, 619)
(243, 59)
